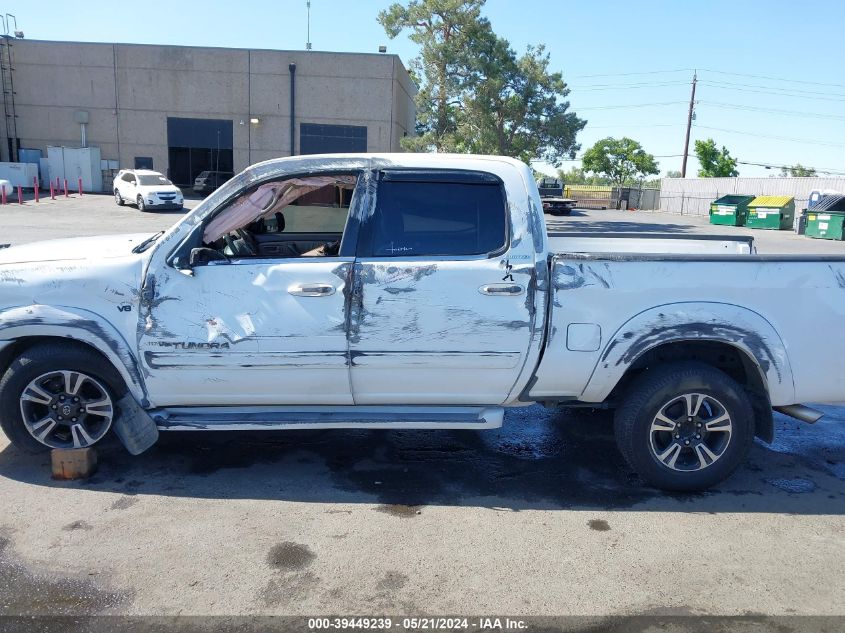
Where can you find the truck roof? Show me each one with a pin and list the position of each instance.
(404, 159)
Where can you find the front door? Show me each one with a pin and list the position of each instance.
(263, 320)
(438, 315)
(249, 333)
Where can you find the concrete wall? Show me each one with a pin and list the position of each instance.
(130, 90)
(692, 196)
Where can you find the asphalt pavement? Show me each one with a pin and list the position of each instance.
(540, 517)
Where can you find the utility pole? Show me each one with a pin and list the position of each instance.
(689, 125)
(308, 27)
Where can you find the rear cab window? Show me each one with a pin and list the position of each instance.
(437, 213)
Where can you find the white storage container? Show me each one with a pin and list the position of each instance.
(19, 174)
(73, 163)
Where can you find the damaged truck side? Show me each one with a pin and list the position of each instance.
(411, 291)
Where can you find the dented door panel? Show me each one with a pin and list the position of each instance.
(421, 332)
(244, 333)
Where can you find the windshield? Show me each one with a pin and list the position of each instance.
(156, 179)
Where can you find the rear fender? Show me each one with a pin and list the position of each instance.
(740, 327)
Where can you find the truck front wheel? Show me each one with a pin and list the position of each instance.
(58, 395)
(684, 426)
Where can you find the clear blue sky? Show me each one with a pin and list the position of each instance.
(796, 49)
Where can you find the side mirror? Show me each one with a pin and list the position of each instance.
(201, 256)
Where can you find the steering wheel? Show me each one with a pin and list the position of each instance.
(244, 246)
(249, 241)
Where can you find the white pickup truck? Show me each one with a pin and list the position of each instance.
(412, 291)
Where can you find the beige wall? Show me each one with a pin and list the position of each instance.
(129, 91)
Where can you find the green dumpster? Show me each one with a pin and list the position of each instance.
(827, 219)
(771, 212)
(729, 210)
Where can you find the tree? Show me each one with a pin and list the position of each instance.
(577, 176)
(673, 174)
(798, 171)
(515, 106)
(714, 163)
(620, 160)
(476, 94)
(445, 30)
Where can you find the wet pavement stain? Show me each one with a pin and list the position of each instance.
(77, 525)
(599, 525)
(24, 592)
(400, 510)
(392, 581)
(290, 556)
(796, 485)
(540, 458)
(289, 589)
(123, 503)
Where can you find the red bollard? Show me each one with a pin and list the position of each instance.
(58, 184)
(35, 187)
(4, 201)
(80, 187)
(66, 196)
(20, 194)
(52, 191)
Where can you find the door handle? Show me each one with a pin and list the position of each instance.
(311, 290)
(501, 290)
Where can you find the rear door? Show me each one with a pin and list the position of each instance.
(437, 315)
(124, 185)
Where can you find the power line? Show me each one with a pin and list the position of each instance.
(656, 84)
(773, 166)
(636, 125)
(645, 72)
(718, 72)
(734, 106)
(815, 94)
(797, 81)
(633, 105)
(777, 138)
(791, 95)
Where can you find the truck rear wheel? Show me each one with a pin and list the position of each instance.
(58, 396)
(684, 426)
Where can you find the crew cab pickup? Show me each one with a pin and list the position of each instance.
(412, 291)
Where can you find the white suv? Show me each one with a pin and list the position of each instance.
(146, 189)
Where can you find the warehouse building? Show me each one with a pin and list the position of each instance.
(182, 110)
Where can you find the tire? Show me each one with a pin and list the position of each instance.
(141, 206)
(120, 201)
(50, 359)
(697, 452)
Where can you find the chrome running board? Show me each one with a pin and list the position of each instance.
(320, 417)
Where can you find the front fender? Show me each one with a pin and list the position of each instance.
(80, 325)
(735, 325)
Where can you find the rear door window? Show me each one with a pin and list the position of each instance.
(437, 214)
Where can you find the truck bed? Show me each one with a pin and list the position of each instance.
(607, 309)
(574, 242)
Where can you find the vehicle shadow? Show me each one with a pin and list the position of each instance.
(538, 460)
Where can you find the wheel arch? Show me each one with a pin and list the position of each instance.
(25, 326)
(699, 331)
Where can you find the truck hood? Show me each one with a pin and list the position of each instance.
(76, 248)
